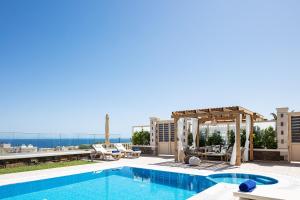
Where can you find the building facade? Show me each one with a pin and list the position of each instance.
(162, 135)
(288, 134)
(294, 136)
(282, 127)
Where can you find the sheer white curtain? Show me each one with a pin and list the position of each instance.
(194, 130)
(233, 154)
(246, 152)
(180, 124)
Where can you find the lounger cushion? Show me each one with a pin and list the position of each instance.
(247, 186)
(135, 149)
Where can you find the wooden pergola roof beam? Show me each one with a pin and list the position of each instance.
(213, 112)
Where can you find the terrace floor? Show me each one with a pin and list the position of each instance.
(280, 168)
(287, 174)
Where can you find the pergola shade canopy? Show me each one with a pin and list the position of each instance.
(236, 114)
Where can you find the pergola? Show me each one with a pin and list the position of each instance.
(231, 114)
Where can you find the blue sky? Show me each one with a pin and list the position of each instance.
(65, 63)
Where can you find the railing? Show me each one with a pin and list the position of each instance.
(15, 142)
(112, 146)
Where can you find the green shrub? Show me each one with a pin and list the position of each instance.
(261, 138)
(141, 138)
(215, 139)
(202, 139)
(202, 142)
(190, 139)
(257, 137)
(269, 138)
(231, 135)
(243, 138)
(85, 146)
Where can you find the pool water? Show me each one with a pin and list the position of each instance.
(234, 178)
(123, 183)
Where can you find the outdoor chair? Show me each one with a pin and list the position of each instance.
(104, 153)
(228, 153)
(128, 153)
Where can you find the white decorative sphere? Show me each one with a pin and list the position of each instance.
(195, 161)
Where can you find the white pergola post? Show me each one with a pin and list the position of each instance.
(236, 151)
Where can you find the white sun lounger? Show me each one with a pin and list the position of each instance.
(104, 153)
(129, 153)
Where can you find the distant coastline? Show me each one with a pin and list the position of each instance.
(51, 143)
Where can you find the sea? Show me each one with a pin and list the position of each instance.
(52, 143)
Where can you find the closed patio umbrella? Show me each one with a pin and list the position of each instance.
(107, 129)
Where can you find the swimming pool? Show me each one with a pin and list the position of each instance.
(122, 183)
(234, 178)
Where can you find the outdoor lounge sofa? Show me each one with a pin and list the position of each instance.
(128, 153)
(224, 154)
(104, 153)
(216, 151)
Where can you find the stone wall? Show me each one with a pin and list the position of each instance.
(268, 155)
(146, 150)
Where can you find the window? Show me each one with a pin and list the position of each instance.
(282, 123)
(172, 132)
(282, 115)
(152, 140)
(295, 129)
(152, 134)
(166, 132)
(282, 132)
(282, 141)
(160, 131)
(184, 140)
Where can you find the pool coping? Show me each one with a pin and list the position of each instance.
(283, 181)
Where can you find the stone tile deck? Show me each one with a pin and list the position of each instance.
(205, 165)
(287, 174)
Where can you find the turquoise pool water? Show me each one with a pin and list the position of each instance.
(234, 178)
(124, 183)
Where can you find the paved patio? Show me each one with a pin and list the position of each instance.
(287, 174)
(205, 165)
(280, 168)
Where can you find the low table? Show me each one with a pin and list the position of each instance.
(213, 154)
